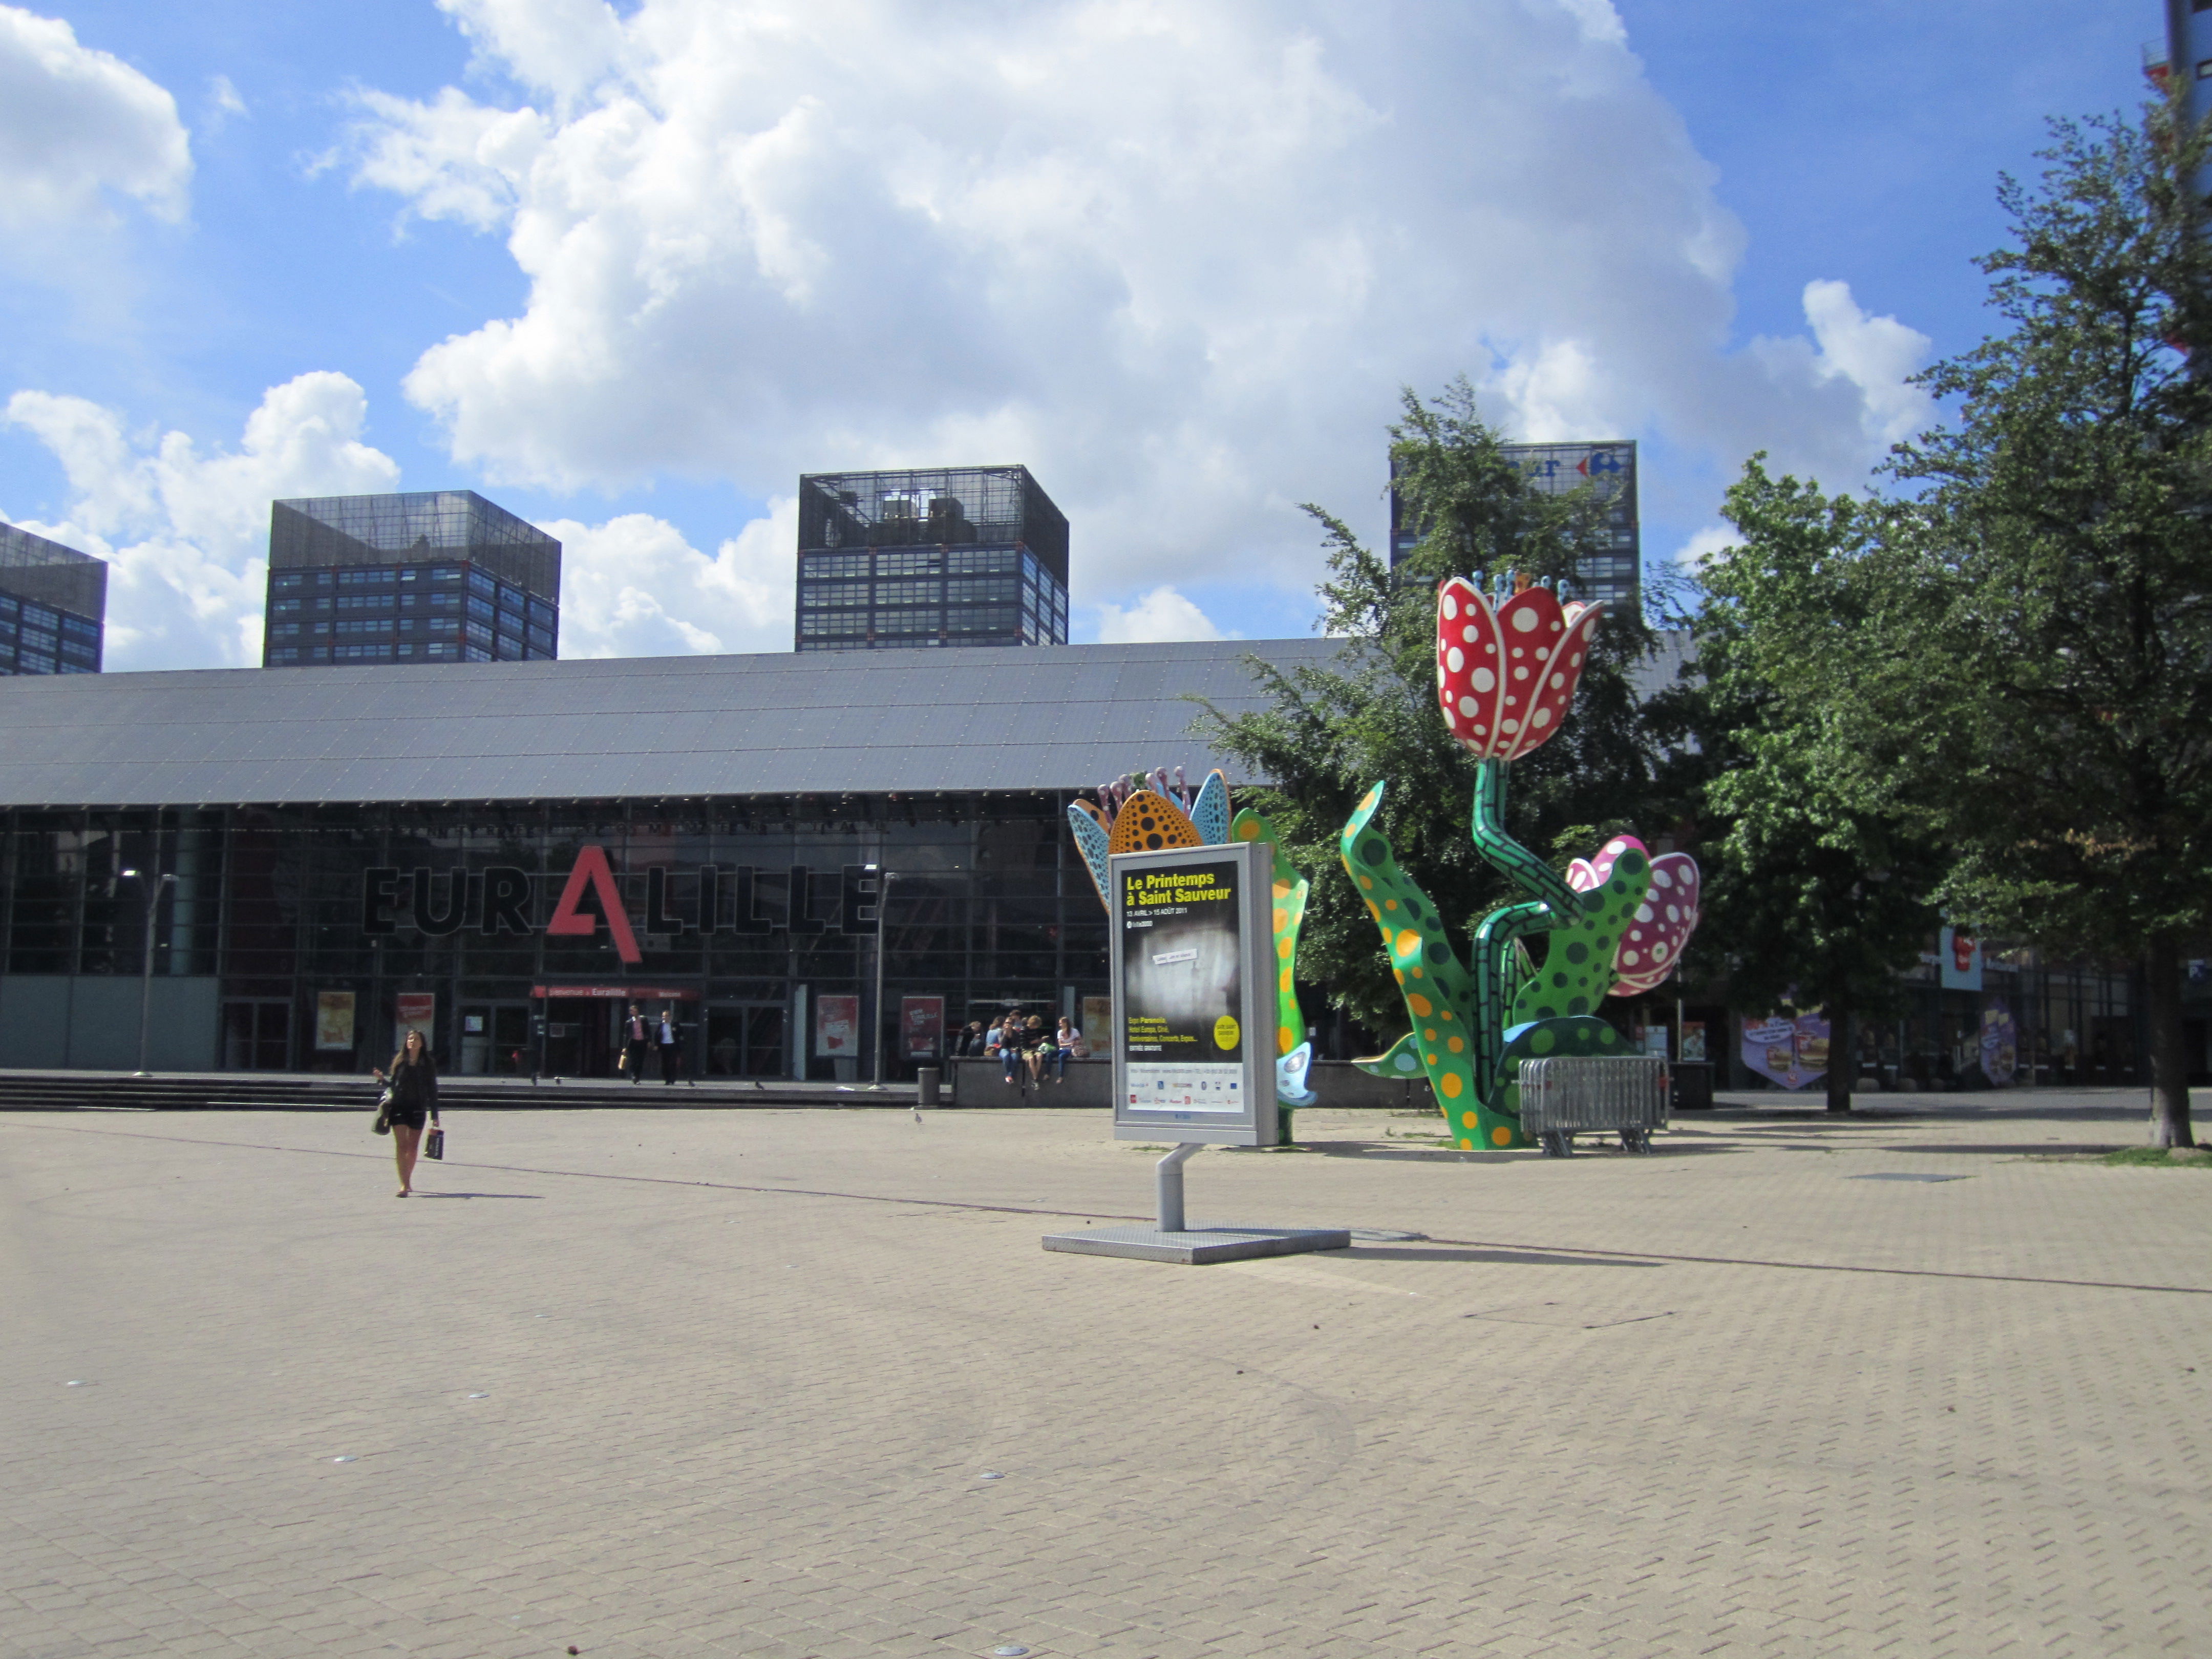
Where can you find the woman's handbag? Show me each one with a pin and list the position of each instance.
(434, 1143)
(383, 1124)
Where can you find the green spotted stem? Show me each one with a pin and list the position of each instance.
(1502, 853)
(1493, 945)
(1554, 903)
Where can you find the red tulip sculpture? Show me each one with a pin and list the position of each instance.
(1507, 667)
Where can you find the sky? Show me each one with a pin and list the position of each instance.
(629, 270)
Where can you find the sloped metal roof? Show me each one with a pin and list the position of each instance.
(1048, 717)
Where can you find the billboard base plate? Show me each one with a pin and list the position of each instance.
(1196, 1246)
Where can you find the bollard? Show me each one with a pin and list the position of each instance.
(924, 1092)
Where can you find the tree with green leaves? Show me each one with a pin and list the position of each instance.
(1332, 732)
(1814, 894)
(2026, 679)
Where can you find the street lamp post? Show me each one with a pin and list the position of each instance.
(153, 890)
(883, 907)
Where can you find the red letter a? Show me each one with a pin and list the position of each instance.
(591, 867)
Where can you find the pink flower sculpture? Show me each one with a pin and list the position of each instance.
(1504, 677)
(1653, 943)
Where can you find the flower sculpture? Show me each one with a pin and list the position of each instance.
(1662, 925)
(1145, 814)
(1507, 668)
(1505, 676)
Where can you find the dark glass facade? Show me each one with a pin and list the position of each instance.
(53, 606)
(435, 576)
(961, 555)
(292, 935)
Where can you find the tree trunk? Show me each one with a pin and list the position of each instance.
(2169, 1055)
(1843, 1059)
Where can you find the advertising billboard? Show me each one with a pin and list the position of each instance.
(1790, 1052)
(334, 1021)
(921, 1026)
(837, 1027)
(1193, 995)
(1958, 954)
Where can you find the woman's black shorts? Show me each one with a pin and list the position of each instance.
(411, 1117)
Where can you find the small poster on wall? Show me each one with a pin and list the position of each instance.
(1693, 1041)
(921, 1026)
(837, 1027)
(1790, 1052)
(334, 1021)
(1096, 1028)
(415, 1011)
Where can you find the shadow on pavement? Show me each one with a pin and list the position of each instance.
(535, 1195)
(1520, 1258)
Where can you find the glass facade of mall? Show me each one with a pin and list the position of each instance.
(432, 577)
(951, 557)
(53, 606)
(295, 936)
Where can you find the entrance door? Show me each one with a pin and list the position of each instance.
(256, 1037)
(582, 1037)
(496, 1039)
(745, 1040)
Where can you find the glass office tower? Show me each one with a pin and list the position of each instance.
(958, 556)
(53, 606)
(434, 576)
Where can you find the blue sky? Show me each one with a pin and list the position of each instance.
(629, 271)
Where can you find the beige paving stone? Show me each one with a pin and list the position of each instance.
(1726, 1400)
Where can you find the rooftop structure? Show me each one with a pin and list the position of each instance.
(53, 606)
(435, 575)
(641, 726)
(950, 556)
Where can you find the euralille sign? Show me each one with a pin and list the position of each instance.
(739, 899)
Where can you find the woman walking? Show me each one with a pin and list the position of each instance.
(414, 1082)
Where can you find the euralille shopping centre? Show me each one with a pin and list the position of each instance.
(803, 855)
(510, 854)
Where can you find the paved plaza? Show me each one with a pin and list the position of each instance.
(1929, 1380)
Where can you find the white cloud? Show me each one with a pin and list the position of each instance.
(187, 533)
(1178, 258)
(78, 126)
(222, 102)
(1162, 614)
(1703, 545)
(1874, 354)
(634, 588)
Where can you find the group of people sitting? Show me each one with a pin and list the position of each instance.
(1018, 1042)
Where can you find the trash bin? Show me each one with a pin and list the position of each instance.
(925, 1079)
(1694, 1086)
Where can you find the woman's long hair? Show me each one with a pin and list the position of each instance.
(427, 1061)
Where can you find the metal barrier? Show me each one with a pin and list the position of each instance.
(1565, 1096)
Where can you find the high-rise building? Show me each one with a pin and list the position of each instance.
(432, 577)
(1613, 575)
(53, 606)
(2186, 53)
(955, 556)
